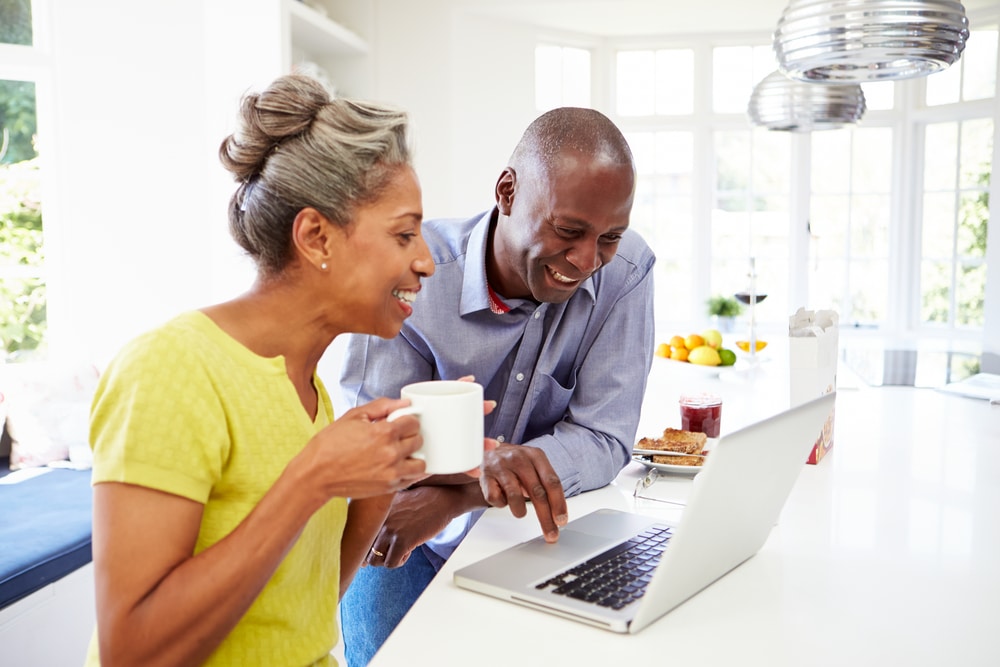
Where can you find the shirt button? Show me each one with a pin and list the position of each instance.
(519, 377)
(537, 314)
(500, 438)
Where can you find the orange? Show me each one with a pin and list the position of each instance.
(745, 345)
(663, 350)
(679, 353)
(693, 341)
(677, 341)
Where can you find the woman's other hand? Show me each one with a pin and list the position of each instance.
(361, 454)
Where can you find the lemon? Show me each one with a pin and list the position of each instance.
(712, 337)
(693, 341)
(704, 355)
(727, 357)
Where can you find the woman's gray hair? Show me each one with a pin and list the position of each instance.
(296, 148)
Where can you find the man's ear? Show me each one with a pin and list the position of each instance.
(504, 190)
(311, 234)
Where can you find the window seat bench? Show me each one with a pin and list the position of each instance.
(45, 528)
(46, 578)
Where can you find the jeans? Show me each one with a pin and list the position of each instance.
(376, 601)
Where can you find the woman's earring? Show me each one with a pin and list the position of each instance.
(323, 266)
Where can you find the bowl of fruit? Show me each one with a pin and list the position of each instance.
(703, 351)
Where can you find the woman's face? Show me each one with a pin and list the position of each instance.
(381, 260)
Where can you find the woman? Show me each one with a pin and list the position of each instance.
(222, 531)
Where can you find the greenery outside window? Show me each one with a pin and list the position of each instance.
(955, 215)
(23, 313)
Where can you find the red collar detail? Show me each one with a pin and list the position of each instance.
(496, 303)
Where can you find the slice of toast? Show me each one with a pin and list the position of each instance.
(676, 440)
(679, 460)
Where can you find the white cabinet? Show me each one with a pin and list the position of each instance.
(324, 39)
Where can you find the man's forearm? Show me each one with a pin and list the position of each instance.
(446, 480)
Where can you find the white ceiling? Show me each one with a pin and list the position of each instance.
(648, 17)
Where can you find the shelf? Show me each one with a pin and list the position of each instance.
(318, 36)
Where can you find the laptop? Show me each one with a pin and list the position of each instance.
(735, 501)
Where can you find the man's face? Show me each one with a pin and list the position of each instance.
(562, 227)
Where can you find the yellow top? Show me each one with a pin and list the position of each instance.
(187, 410)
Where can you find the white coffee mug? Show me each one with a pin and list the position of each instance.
(451, 423)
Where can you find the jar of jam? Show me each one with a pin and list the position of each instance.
(701, 413)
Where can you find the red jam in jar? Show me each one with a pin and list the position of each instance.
(701, 413)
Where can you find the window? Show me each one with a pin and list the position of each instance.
(750, 215)
(663, 210)
(973, 77)
(562, 77)
(849, 221)
(884, 221)
(22, 277)
(955, 181)
(735, 72)
(955, 215)
(655, 82)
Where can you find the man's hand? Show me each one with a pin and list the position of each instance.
(416, 516)
(512, 473)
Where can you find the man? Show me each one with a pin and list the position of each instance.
(527, 300)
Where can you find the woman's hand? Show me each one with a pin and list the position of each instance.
(362, 455)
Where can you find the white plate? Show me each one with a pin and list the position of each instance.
(667, 467)
(707, 371)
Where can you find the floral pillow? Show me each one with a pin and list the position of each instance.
(48, 411)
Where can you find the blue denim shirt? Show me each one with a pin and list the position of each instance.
(568, 378)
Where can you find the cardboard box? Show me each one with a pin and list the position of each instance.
(812, 363)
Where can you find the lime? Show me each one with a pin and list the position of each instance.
(728, 357)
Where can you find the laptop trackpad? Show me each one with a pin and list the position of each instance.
(572, 543)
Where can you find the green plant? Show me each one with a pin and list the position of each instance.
(23, 311)
(723, 306)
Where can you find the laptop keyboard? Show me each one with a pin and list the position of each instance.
(616, 577)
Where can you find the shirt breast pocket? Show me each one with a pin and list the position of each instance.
(549, 403)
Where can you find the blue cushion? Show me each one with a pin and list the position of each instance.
(45, 531)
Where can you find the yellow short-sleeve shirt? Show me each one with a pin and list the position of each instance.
(187, 410)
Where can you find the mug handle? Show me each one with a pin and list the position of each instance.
(402, 412)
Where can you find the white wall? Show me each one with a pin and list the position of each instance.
(144, 93)
(125, 231)
(466, 95)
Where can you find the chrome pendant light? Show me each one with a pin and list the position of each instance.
(844, 41)
(779, 103)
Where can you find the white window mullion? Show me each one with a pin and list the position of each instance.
(904, 228)
(704, 176)
(798, 225)
(991, 322)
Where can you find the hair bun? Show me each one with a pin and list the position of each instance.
(269, 118)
